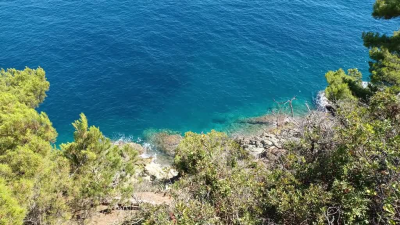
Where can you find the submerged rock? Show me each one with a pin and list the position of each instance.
(165, 141)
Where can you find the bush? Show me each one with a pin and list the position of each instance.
(219, 184)
(10, 211)
(100, 170)
(351, 180)
(346, 86)
(182, 212)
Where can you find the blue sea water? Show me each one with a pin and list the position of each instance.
(183, 65)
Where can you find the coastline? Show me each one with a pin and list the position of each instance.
(255, 134)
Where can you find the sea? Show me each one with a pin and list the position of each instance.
(182, 65)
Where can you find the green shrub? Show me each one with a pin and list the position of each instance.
(10, 211)
(100, 170)
(219, 184)
(345, 86)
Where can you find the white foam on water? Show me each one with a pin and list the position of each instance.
(149, 151)
(321, 101)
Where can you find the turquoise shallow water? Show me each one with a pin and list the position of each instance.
(181, 65)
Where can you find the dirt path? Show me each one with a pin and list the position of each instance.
(153, 198)
(118, 216)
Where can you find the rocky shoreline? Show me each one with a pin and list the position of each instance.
(268, 144)
(153, 177)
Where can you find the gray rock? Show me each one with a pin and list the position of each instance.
(266, 142)
(277, 144)
(256, 151)
(158, 172)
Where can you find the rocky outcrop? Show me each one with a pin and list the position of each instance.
(323, 104)
(154, 171)
(269, 146)
(149, 168)
(165, 142)
(136, 146)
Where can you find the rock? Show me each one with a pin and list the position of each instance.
(294, 139)
(171, 173)
(271, 156)
(166, 142)
(323, 104)
(156, 171)
(138, 147)
(276, 143)
(267, 142)
(321, 101)
(272, 140)
(331, 109)
(270, 136)
(146, 161)
(254, 151)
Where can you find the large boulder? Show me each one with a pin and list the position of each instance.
(136, 146)
(255, 151)
(157, 172)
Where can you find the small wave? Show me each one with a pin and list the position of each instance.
(321, 101)
(122, 138)
(148, 152)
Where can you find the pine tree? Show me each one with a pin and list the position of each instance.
(27, 159)
(384, 49)
(100, 170)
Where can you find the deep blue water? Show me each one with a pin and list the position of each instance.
(180, 64)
